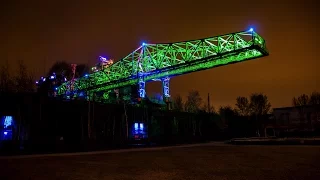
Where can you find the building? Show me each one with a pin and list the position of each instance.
(295, 119)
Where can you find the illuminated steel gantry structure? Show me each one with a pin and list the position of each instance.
(152, 62)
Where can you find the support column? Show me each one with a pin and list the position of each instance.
(165, 88)
(142, 87)
(117, 93)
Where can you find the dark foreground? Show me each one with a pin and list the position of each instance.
(202, 162)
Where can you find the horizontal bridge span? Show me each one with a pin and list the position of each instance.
(207, 63)
(154, 61)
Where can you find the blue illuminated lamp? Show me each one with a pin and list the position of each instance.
(136, 125)
(81, 94)
(141, 125)
(251, 29)
(5, 132)
(51, 77)
(87, 75)
(8, 120)
(143, 44)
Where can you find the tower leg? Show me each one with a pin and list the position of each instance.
(142, 87)
(166, 89)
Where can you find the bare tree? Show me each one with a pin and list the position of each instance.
(243, 106)
(6, 82)
(24, 80)
(193, 103)
(314, 98)
(61, 68)
(259, 104)
(305, 99)
(178, 103)
(301, 100)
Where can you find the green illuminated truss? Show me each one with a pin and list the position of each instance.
(156, 61)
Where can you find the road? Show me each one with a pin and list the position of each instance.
(205, 161)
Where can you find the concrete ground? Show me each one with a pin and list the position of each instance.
(206, 161)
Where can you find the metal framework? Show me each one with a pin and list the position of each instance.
(165, 87)
(142, 87)
(161, 61)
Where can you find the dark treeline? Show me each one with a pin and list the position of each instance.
(245, 116)
(21, 81)
(44, 124)
(304, 99)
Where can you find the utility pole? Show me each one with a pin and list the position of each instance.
(127, 125)
(89, 129)
(208, 103)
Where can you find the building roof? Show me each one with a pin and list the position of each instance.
(294, 107)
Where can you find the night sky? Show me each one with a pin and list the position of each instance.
(42, 32)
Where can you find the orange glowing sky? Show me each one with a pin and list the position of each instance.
(42, 32)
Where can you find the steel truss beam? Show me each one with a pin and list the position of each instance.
(157, 61)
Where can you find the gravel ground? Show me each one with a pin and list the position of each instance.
(204, 162)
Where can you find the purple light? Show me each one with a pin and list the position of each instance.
(37, 82)
(102, 59)
(5, 133)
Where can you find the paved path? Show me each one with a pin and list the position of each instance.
(115, 151)
(196, 161)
